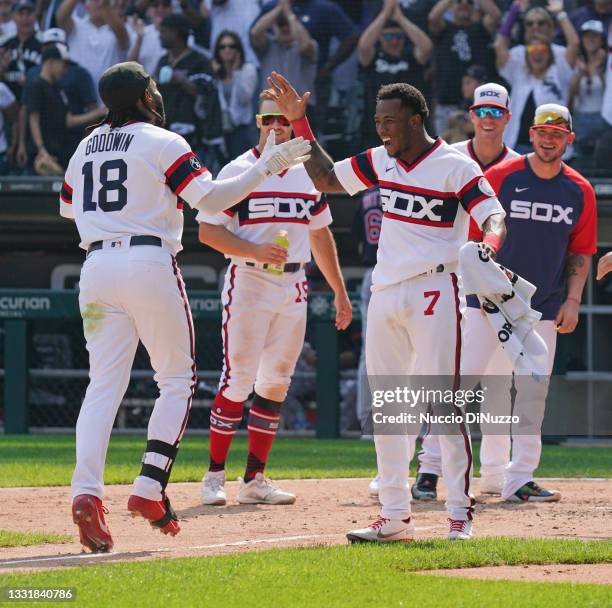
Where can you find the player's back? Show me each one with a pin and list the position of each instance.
(124, 181)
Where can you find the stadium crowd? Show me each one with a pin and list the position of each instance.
(211, 58)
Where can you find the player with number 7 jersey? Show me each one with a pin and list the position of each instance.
(428, 192)
(125, 187)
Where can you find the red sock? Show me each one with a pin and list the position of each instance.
(262, 426)
(225, 417)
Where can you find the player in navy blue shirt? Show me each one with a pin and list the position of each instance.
(551, 217)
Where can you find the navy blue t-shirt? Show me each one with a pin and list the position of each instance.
(546, 219)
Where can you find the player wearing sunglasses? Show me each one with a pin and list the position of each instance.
(489, 114)
(552, 226)
(264, 314)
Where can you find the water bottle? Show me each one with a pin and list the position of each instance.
(282, 240)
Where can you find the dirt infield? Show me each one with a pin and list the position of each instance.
(324, 511)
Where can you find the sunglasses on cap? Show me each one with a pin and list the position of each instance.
(493, 112)
(552, 120)
(537, 48)
(270, 119)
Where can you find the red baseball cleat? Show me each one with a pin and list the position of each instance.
(88, 514)
(159, 513)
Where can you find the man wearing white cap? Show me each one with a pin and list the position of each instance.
(490, 114)
(552, 229)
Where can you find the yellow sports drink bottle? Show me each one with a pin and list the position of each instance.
(282, 240)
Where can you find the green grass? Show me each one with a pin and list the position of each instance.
(336, 576)
(47, 460)
(8, 538)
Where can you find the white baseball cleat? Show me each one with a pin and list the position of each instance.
(490, 485)
(373, 488)
(384, 530)
(213, 488)
(261, 491)
(459, 529)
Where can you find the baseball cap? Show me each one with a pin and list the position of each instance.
(553, 116)
(55, 51)
(123, 84)
(592, 25)
(22, 4)
(53, 34)
(491, 94)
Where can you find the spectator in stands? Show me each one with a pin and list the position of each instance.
(324, 21)
(146, 46)
(8, 27)
(459, 43)
(459, 128)
(392, 49)
(237, 81)
(587, 87)
(283, 44)
(598, 10)
(9, 114)
(177, 74)
(603, 148)
(234, 16)
(474, 76)
(538, 72)
(76, 83)
(24, 48)
(49, 114)
(98, 40)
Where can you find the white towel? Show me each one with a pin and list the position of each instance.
(506, 299)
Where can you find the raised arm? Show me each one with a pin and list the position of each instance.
(320, 166)
(64, 15)
(367, 43)
(491, 16)
(572, 41)
(262, 25)
(436, 16)
(115, 22)
(423, 46)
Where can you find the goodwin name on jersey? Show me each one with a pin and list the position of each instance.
(287, 201)
(107, 142)
(426, 206)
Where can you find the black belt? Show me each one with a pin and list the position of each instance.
(144, 239)
(292, 267)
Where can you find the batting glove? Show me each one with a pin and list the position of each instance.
(277, 158)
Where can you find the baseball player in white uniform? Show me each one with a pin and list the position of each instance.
(125, 187)
(489, 114)
(428, 192)
(264, 313)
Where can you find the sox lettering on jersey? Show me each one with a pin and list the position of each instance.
(540, 212)
(271, 207)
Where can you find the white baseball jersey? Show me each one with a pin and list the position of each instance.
(287, 201)
(426, 206)
(132, 181)
(467, 147)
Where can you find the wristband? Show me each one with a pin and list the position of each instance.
(505, 28)
(562, 15)
(301, 128)
(575, 299)
(493, 241)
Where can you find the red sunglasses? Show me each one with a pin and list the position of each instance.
(270, 119)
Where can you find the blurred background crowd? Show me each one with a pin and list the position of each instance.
(211, 58)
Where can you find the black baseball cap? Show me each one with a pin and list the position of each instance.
(123, 84)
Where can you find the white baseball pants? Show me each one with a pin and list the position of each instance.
(129, 294)
(264, 322)
(415, 327)
(483, 355)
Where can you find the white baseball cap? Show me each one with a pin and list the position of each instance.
(592, 25)
(491, 94)
(553, 116)
(54, 34)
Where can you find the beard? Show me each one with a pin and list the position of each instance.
(161, 111)
(550, 156)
